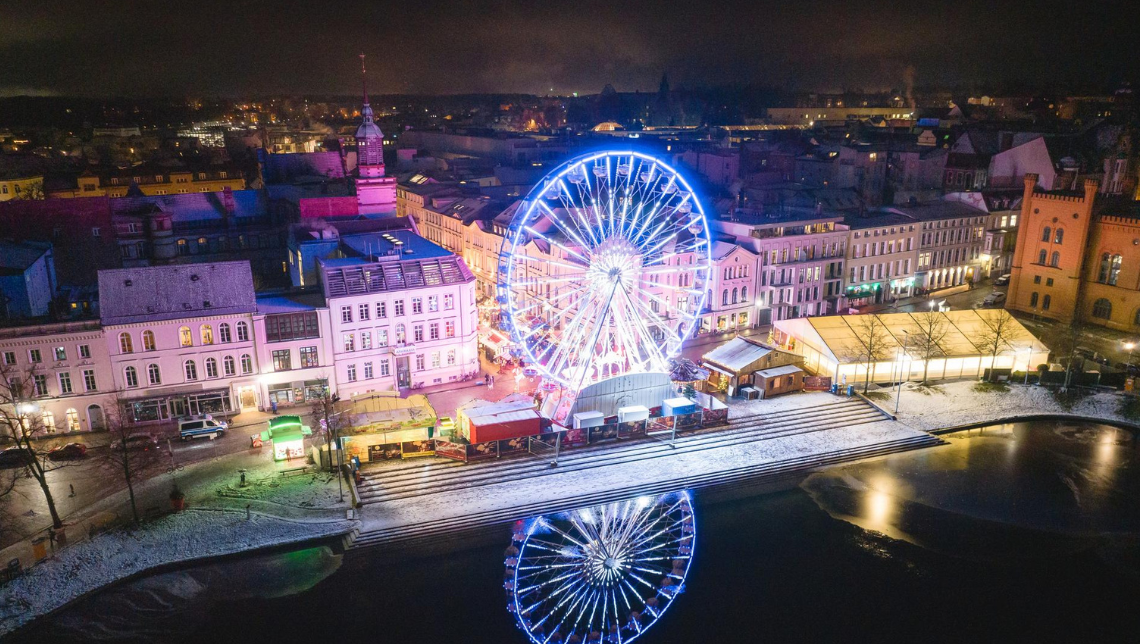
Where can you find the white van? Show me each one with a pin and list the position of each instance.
(201, 428)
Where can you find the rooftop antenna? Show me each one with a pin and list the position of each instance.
(364, 79)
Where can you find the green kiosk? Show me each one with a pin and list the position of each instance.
(288, 437)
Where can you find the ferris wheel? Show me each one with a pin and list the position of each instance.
(604, 268)
(604, 573)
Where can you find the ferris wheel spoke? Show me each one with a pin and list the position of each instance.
(551, 262)
(577, 331)
(558, 223)
(531, 230)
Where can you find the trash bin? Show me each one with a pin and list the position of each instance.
(850, 390)
(39, 549)
(835, 388)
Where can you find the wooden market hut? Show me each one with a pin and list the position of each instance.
(733, 365)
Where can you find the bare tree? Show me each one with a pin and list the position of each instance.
(928, 337)
(996, 337)
(133, 460)
(873, 343)
(21, 422)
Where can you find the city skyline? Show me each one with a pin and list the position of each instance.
(133, 48)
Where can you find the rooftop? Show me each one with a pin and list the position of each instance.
(153, 293)
(17, 256)
(273, 303)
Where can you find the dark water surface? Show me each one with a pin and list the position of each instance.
(1017, 533)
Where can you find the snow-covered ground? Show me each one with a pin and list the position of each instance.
(110, 557)
(310, 490)
(956, 403)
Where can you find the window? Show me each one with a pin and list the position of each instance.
(448, 302)
(364, 311)
(49, 422)
(153, 375)
(211, 368)
(382, 337)
(401, 334)
(148, 340)
(224, 333)
(131, 376)
(281, 360)
(724, 298)
(84, 351)
(229, 367)
(435, 360)
(1059, 236)
(1102, 309)
(190, 369)
(308, 357)
(34, 356)
(351, 371)
(72, 420)
(417, 305)
(1046, 301)
(89, 380)
(346, 314)
(365, 340)
(60, 354)
(1033, 299)
(383, 367)
(381, 310)
(242, 332)
(368, 371)
(419, 362)
(418, 333)
(433, 303)
(449, 328)
(450, 357)
(1036, 279)
(65, 383)
(1046, 234)
(1041, 256)
(349, 341)
(433, 331)
(398, 307)
(9, 358)
(1055, 260)
(125, 345)
(291, 326)
(207, 333)
(1049, 282)
(40, 384)
(246, 364)
(184, 337)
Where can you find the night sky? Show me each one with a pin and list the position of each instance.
(248, 47)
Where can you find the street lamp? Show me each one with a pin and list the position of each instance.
(898, 394)
(1028, 359)
(1130, 346)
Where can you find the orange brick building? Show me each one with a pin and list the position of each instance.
(1077, 255)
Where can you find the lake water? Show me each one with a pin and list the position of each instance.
(1025, 532)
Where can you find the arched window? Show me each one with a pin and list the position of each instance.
(1046, 301)
(1055, 260)
(153, 375)
(1102, 309)
(148, 341)
(1041, 255)
(207, 333)
(1048, 231)
(184, 337)
(191, 370)
(224, 333)
(1136, 318)
(131, 375)
(724, 297)
(246, 364)
(243, 332)
(1033, 299)
(734, 294)
(743, 293)
(1059, 236)
(72, 420)
(1113, 269)
(125, 344)
(228, 366)
(211, 368)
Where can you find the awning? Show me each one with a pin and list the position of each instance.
(718, 370)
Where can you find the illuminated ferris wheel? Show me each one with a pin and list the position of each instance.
(604, 269)
(604, 573)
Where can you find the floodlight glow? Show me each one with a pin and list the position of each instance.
(620, 274)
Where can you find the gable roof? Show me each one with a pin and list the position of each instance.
(154, 293)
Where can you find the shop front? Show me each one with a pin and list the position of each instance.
(297, 392)
(216, 402)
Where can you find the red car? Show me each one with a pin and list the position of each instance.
(67, 452)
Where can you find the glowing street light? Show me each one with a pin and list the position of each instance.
(1130, 346)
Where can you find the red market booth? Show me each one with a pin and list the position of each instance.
(498, 421)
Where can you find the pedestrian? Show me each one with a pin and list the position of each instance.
(273, 406)
(51, 538)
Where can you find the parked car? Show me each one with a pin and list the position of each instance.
(1089, 354)
(1002, 281)
(68, 452)
(993, 299)
(207, 428)
(136, 441)
(16, 457)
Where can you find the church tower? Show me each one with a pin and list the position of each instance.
(375, 193)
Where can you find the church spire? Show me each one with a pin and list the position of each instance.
(364, 79)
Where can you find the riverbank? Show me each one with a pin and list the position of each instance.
(959, 405)
(190, 537)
